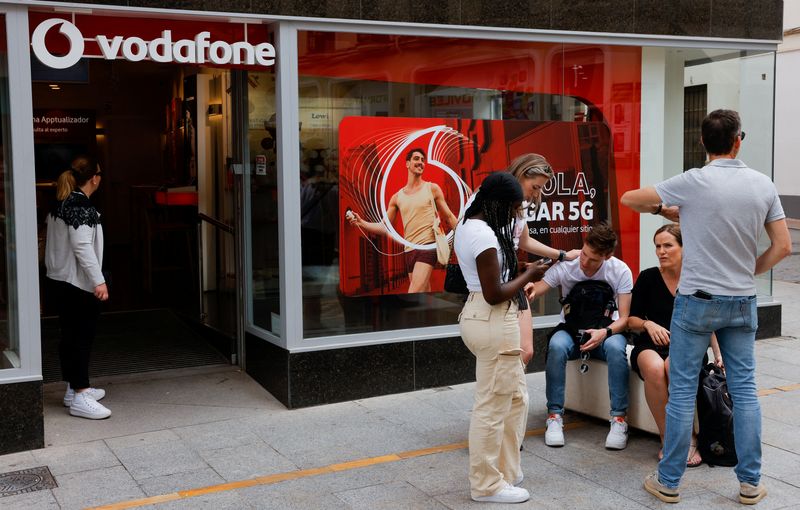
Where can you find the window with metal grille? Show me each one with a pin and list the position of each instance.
(694, 110)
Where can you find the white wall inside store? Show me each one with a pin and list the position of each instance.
(661, 133)
(787, 107)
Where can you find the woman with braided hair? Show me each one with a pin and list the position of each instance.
(484, 244)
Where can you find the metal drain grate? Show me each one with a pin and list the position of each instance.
(26, 480)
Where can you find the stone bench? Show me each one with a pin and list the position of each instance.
(588, 394)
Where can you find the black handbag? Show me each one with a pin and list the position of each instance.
(454, 280)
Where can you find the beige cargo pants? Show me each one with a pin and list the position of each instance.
(497, 426)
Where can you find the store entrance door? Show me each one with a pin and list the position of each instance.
(162, 136)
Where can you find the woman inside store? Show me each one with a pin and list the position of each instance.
(74, 258)
(651, 315)
(484, 245)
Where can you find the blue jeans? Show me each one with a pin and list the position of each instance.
(735, 320)
(563, 348)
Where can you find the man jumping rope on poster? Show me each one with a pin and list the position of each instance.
(417, 214)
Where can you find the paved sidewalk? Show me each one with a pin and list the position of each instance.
(175, 432)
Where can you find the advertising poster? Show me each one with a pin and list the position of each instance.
(460, 153)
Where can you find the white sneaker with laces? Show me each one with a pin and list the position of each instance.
(95, 393)
(617, 438)
(85, 406)
(554, 436)
(509, 494)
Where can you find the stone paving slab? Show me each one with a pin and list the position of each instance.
(185, 480)
(43, 500)
(98, 487)
(75, 458)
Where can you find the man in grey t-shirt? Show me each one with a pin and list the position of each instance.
(723, 208)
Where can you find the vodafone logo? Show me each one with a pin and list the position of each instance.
(72, 34)
(161, 49)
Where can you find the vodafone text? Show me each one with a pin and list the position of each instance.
(187, 51)
(161, 49)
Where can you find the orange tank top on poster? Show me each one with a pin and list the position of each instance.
(417, 214)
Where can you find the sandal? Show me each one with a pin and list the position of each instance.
(693, 459)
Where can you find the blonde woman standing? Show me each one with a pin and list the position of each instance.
(532, 171)
(74, 258)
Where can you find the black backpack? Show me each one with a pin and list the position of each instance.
(589, 305)
(715, 413)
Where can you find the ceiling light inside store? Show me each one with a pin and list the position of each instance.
(54, 86)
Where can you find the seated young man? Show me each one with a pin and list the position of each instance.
(601, 339)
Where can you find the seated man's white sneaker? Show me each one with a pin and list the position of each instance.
(85, 406)
(554, 436)
(617, 438)
(509, 494)
(95, 393)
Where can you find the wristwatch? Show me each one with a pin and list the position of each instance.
(561, 255)
(609, 332)
(658, 209)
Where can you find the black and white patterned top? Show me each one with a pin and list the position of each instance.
(74, 249)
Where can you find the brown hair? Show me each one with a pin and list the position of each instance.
(531, 165)
(81, 170)
(602, 239)
(673, 229)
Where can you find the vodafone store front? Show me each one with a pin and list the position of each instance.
(234, 146)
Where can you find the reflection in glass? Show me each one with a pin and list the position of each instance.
(9, 341)
(263, 186)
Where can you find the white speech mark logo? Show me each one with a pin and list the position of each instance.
(70, 31)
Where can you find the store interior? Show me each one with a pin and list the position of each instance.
(161, 135)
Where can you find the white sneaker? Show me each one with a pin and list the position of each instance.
(509, 494)
(85, 406)
(95, 393)
(555, 431)
(617, 438)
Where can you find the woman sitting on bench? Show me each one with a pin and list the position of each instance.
(651, 315)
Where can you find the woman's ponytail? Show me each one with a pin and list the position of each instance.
(82, 169)
(65, 184)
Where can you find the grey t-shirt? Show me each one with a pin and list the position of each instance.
(723, 207)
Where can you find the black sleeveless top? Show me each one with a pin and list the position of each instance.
(651, 300)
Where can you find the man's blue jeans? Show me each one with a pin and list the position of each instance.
(563, 348)
(735, 320)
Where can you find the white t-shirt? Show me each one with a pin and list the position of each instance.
(473, 238)
(520, 223)
(613, 271)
